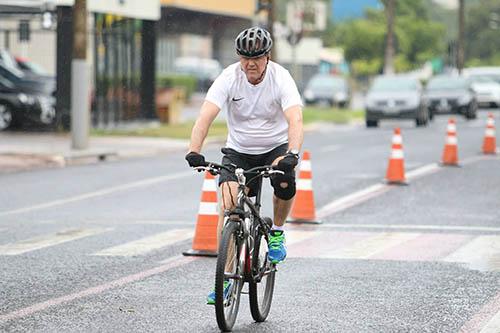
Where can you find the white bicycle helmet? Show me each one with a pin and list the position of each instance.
(253, 42)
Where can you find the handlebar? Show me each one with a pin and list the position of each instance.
(214, 169)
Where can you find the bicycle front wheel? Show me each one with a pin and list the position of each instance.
(261, 287)
(230, 266)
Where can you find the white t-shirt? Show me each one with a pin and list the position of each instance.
(255, 117)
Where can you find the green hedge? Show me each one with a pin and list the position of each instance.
(188, 82)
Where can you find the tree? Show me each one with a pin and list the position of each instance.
(417, 38)
(482, 36)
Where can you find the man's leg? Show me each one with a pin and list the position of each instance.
(229, 191)
(281, 209)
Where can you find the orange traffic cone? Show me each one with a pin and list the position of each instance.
(396, 169)
(489, 143)
(450, 155)
(205, 236)
(303, 209)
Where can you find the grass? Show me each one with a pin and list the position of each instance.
(219, 129)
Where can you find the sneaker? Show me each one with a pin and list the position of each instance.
(227, 289)
(277, 248)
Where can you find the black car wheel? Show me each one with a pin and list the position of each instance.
(5, 116)
(471, 112)
(371, 123)
(422, 118)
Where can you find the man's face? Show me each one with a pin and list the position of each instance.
(254, 67)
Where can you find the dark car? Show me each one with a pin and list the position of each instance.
(448, 94)
(22, 104)
(33, 70)
(327, 88)
(395, 96)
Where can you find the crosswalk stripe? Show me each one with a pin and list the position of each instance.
(482, 252)
(147, 244)
(493, 326)
(326, 242)
(366, 248)
(37, 243)
(297, 236)
(425, 247)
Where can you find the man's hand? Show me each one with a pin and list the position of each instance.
(288, 162)
(195, 159)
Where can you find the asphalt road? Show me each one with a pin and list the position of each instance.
(97, 248)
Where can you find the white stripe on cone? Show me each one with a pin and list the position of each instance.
(451, 140)
(209, 185)
(490, 132)
(397, 154)
(397, 139)
(491, 122)
(452, 128)
(208, 208)
(304, 184)
(305, 165)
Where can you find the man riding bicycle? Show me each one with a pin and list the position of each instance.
(264, 118)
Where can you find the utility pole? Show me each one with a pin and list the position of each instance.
(271, 18)
(80, 79)
(461, 38)
(389, 46)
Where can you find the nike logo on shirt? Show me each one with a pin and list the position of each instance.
(237, 99)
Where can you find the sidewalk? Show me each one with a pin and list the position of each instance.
(21, 151)
(24, 151)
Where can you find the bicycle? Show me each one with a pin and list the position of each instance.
(246, 233)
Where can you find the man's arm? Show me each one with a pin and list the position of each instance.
(207, 115)
(295, 129)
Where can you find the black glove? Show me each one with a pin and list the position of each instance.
(288, 163)
(195, 159)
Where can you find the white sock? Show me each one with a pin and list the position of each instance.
(277, 227)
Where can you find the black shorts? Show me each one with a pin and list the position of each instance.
(248, 161)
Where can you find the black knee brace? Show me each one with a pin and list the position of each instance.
(284, 186)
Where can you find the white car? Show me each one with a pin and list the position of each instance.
(485, 81)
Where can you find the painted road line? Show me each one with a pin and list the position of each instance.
(422, 171)
(324, 243)
(47, 241)
(165, 222)
(425, 247)
(99, 193)
(148, 244)
(170, 264)
(404, 226)
(493, 326)
(352, 200)
(368, 193)
(486, 320)
(482, 252)
(329, 149)
(373, 191)
(297, 236)
(366, 248)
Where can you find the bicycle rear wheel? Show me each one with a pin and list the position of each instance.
(230, 250)
(261, 287)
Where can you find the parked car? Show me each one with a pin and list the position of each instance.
(205, 70)
(331, 89)
(31, 68)
(486, 84)
(395, 96)
(451, 94)
(29, 71)
(22, 104)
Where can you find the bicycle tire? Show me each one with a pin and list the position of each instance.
(226, 312)
(261, 292)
